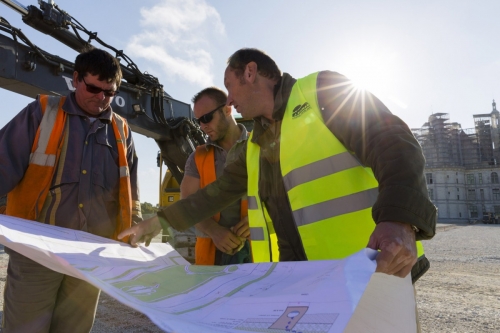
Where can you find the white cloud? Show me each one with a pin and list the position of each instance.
(176, 35)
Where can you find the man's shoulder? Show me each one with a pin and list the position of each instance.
(331, 80)
(202, 149)
(190, 169)
(34, 109)
(116, 115)
(191, 156)
(244, 133)
(235, 151)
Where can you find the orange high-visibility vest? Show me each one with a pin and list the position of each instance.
(28, 197)
(205, 163)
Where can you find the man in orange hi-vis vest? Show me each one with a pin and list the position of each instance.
(70, 162)
(222, 238)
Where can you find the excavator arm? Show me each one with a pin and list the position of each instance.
(28, 70)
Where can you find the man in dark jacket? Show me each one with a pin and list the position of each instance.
(401, 211)
(75, 186)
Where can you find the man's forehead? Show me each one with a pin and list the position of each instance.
(229, 74)
(204, 105)
(94, 79)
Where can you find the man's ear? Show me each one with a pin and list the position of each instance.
(227, 110)
(75, 78)
(250, 73)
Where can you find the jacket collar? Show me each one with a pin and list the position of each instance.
(282, 91)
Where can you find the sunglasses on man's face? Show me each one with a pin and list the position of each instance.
(96, 90)
(207, 117)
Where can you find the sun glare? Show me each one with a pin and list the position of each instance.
(375, 72)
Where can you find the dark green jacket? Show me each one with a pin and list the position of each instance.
(379, 139)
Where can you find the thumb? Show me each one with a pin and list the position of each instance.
(372, 243)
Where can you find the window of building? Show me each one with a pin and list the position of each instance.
(471, 194)
(494, 178)
(480, 178)
(458, 197)
(496, 194)
(483, 207)
(459, 214)
(470, 178)
(473, 211)
(428, 177)
(431, 193)
(458, 189)
(457, 180)
(481, 194)
(497, 210)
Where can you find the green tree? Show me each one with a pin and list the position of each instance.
(147, 208)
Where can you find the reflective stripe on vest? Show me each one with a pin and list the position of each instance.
(262, 233)
(50, 112)
(124, 219)
(205, 163)
(330, 192)
(28, 197)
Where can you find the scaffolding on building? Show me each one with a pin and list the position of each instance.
(446, 144)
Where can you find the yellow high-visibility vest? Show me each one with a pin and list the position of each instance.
(331, 193)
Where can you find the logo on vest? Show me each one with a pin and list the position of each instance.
(300, 109)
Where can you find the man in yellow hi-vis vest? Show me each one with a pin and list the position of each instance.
(221, 239)
(68, 161)
(328, 171)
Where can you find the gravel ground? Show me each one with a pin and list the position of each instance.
(459, 293)
(461, 290)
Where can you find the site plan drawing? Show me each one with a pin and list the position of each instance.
(311, 296)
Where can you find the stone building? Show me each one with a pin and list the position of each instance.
(462, 165)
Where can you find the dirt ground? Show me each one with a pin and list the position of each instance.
(460, 292)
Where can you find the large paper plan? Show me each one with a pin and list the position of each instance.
(312, 296)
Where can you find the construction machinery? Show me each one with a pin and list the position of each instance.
(489, 218)
(28, 70)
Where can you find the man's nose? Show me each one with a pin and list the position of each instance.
(101, 96)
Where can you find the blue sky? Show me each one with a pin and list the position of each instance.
(418, 57)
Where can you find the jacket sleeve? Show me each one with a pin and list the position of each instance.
(383, 142)
(16, 141)
(133, 161)
(208, 201)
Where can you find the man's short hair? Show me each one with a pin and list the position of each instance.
(219, 96)
(98, 62)
(265, 64)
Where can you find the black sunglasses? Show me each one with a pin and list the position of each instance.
(96, 90)
(207, 117)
